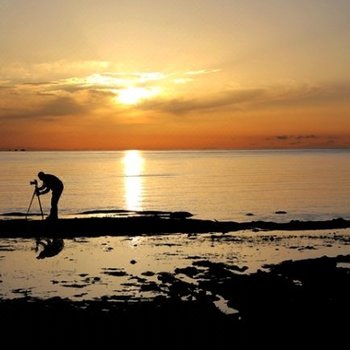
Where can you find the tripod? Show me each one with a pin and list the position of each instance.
(31, 201)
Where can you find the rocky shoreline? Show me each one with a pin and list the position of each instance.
(296, 303)
(153, 224)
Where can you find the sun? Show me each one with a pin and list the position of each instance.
(134, 95)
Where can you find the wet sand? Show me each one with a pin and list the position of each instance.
(290, 303)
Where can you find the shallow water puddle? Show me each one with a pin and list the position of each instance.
(135, 267)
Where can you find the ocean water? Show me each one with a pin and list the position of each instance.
(221, 185)
(214, 184)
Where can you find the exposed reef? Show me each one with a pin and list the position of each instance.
(150, 223)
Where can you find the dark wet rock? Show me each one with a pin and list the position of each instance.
(166, 277)
(79, 295)
(21, 291)
(180, 289)
(148, 273)
(190, 271)
(106, 211)
(122, 212)
(307, 247)
(75, 285)
(112, 271)
(343, 258)
(138, 279)
(237, 268)
(280, 212)
(180, 215)
(92, 227)
(7, 248)
(150, 286)
(91, 280)
(19, 214)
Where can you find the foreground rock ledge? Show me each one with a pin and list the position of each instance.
(93, 227)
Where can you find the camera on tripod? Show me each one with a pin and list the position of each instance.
(36, 193)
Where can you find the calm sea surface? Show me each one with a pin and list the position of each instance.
(221, 185)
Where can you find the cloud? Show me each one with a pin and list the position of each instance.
(281, 96)
(61, 106)
(78, 94)
(304, 140)
(19, 72)
(70, 96)
(292, 137)
(51, 100)
(231, 99)
(202, 71)
(303, 94)
(55, 108)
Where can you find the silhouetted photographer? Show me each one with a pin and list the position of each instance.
(55, 185)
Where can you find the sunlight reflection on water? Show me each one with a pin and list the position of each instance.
(221, 185)
(133, 183)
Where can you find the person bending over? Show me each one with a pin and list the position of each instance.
(55, 185)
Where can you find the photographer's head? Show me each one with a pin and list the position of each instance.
(41, 175)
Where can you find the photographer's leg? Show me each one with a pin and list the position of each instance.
(54, 203)
(53, 211)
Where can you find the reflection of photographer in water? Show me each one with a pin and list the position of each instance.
(53, 183)
(49, 247)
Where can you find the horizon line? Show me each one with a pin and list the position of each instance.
(23, 149)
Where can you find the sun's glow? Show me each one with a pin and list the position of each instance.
(133, 183)
(134, 95)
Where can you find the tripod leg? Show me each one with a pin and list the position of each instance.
(30, 204)
(41, 208)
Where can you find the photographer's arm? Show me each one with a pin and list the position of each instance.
(42, 190)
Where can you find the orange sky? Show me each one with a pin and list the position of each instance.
(167, 74)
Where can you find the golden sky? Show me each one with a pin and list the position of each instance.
(164, 74)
